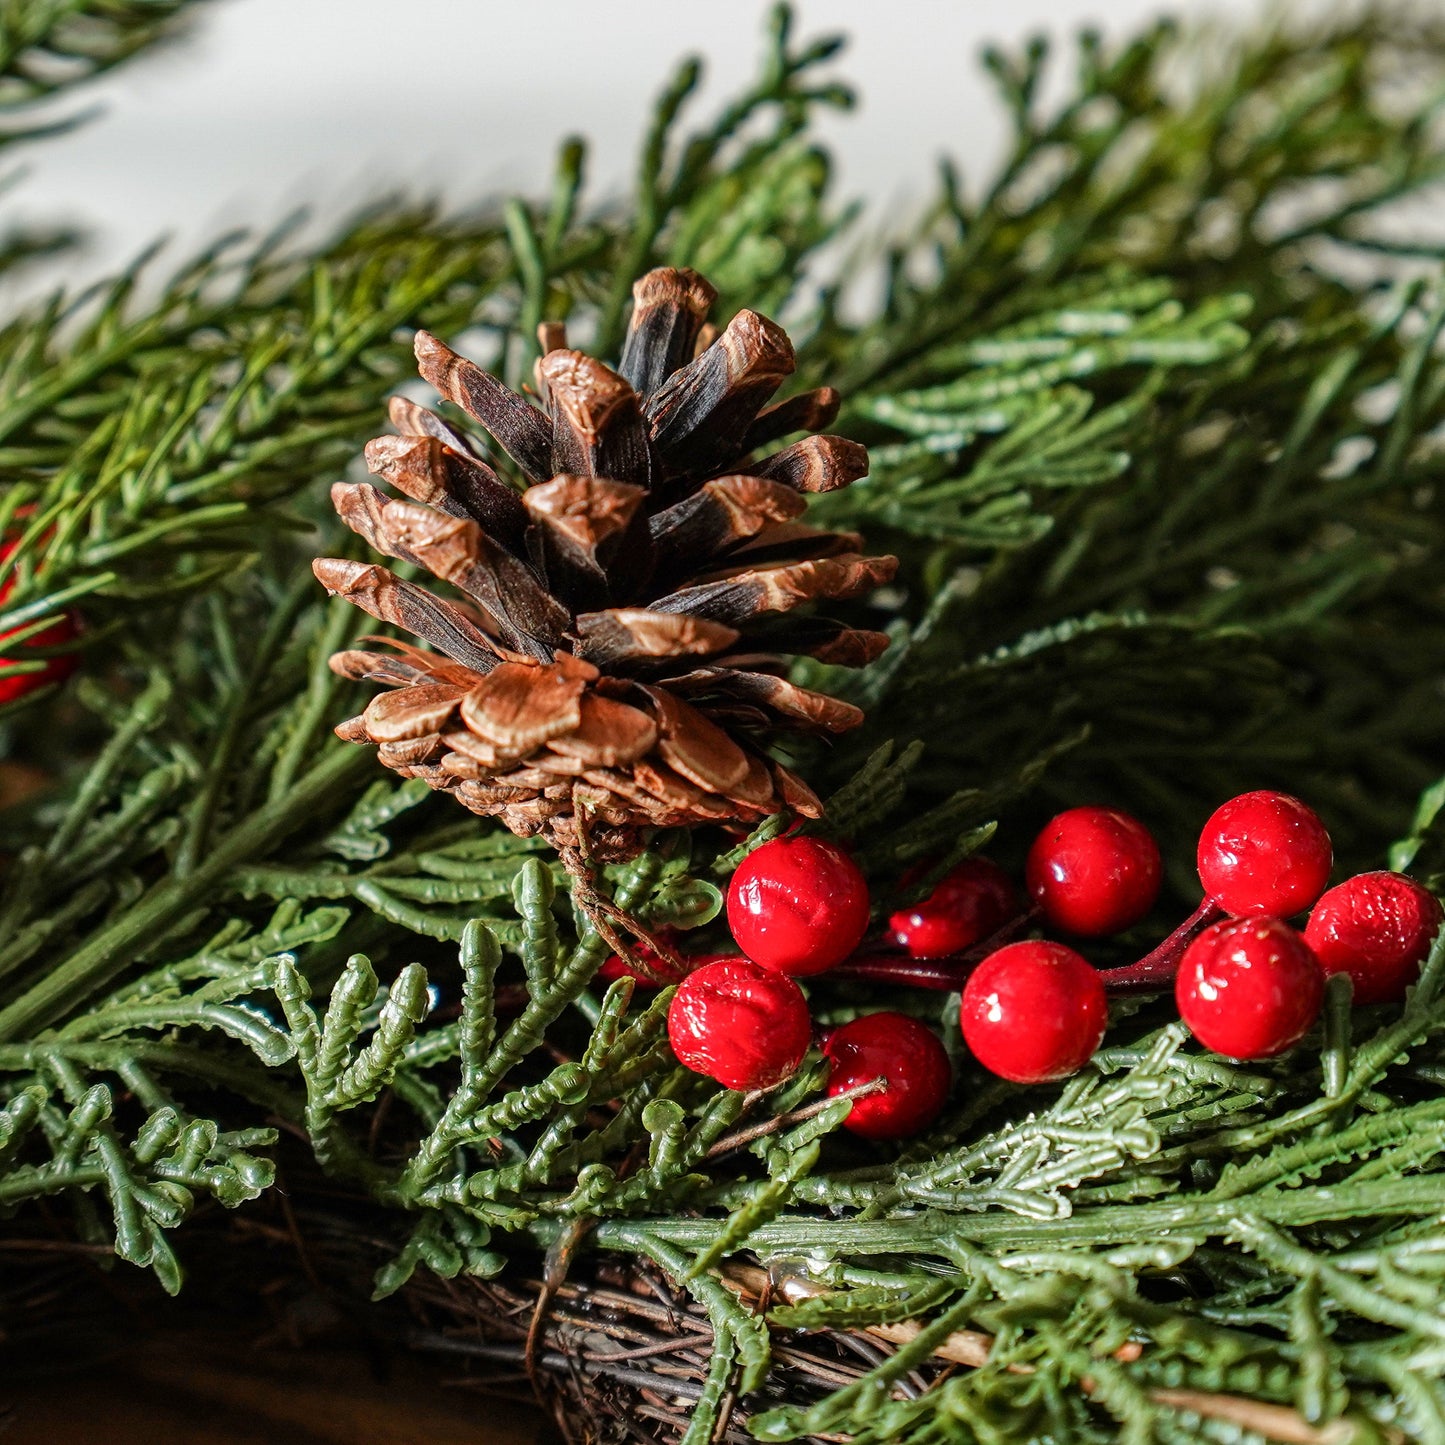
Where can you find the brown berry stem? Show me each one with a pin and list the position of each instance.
(1157, 968)
(612, 922)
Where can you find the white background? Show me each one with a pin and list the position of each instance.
(270, 104)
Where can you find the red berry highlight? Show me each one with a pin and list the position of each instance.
(1093, 871)
(739, 1023)
(798, 905)
(1264, 853)
(54, 669)
(1376, 927)
(970, 902)
(1034, 1012)
(1249, 988)
(901, 1050)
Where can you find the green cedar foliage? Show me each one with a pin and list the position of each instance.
(48, 47)
(1155, 420)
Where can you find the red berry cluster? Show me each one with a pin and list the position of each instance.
(1247, 984)
(1250, 986)
(799, 906)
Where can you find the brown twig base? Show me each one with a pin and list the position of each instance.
(626, 1354)
(616, 1351)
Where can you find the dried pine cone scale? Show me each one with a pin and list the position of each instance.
(613, 658)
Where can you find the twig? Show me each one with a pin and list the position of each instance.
(664, 1347)
(554, 1275)
(742, 1137)
(973, 1347)
(604, 915)
(1274, 1422)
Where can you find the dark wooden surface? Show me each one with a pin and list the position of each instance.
(214, 1389)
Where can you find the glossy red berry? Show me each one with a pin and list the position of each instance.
(798, 905)
(666, 972)
(739, 1023)
(1093, 871)
(1264, 853)
(54, 669)
(970, 902)
(1377, 928)
(1249, 988)
(1033, 1012)
(901, 1050)
(617, 967)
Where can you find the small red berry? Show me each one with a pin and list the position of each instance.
(1377, 928)
(901, 1050)
(798, 905)
(1093, 871)
(617, 967)
(1033, 1012)
(1249, 988)
(54, 669)
(1264, 853)
(739, 1023)
(970, 902)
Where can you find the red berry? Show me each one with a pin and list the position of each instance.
(798, 905)
(901, 1050)
(617, 967)
(1249, 988)
(1264, 853)
(970, 902)
(1377, 928)
(54, 669)
(739, 1023)
(1093, 871)
(1033, 1012)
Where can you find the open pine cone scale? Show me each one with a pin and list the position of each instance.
(615, 656)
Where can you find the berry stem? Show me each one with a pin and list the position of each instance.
(947, 974)
(753, 1132)
(1158, 967)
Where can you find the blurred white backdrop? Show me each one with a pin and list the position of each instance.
(270, 104)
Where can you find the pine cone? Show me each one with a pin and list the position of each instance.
(616, 659)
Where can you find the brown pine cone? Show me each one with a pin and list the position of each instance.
(615, 657)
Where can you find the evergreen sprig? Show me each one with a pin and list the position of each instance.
(49, 47)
